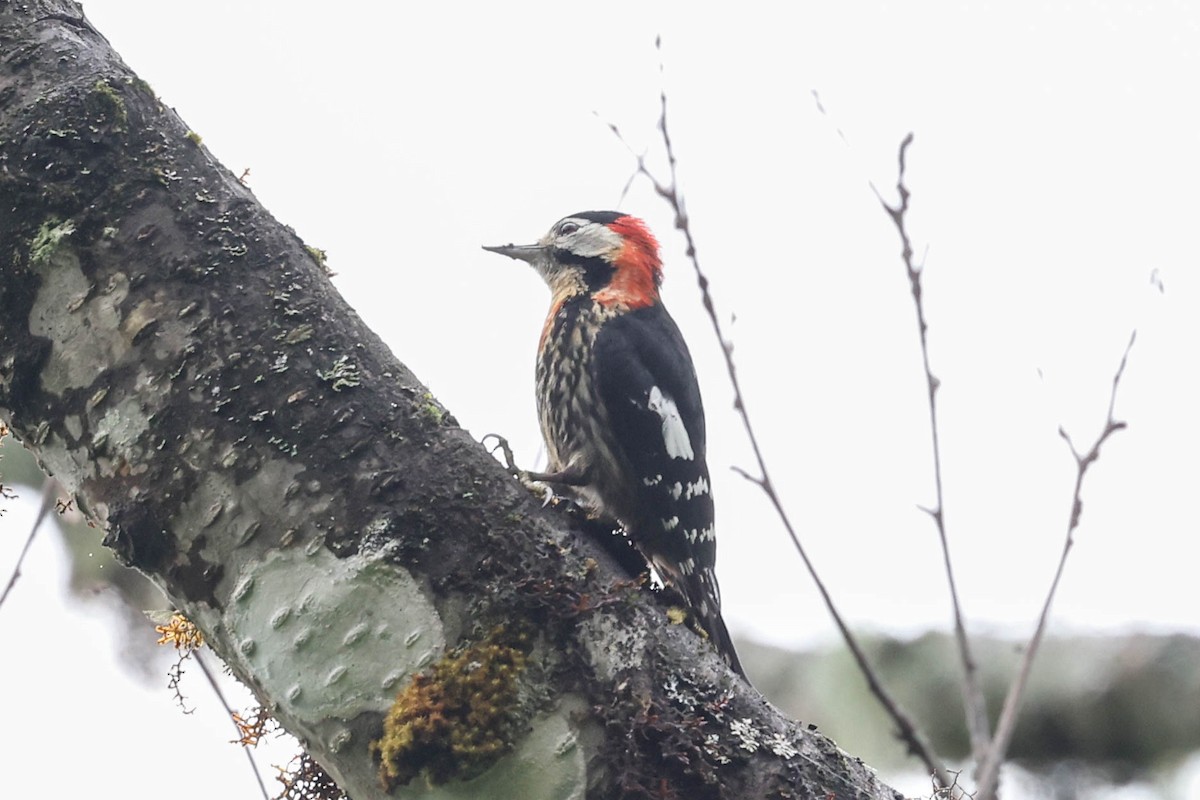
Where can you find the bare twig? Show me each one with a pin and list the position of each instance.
(669, 192)
(49, 491)
(212, 681)
(989, 768)
(974, 704)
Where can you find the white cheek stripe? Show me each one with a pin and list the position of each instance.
(675, 435)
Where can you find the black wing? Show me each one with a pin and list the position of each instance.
(639, 358)
(646, 381)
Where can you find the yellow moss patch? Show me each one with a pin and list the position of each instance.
(457, 718)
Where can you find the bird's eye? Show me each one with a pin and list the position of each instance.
(567, 228)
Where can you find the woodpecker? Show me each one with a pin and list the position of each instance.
(619, 405)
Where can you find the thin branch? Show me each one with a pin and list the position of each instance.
(989, 768)
(669, 192)
(906, 728)
(212, 681)
(974, 705)
(49, 488)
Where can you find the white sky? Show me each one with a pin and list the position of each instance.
(1054, 171)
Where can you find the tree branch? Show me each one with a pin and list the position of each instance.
(989, 769)
(974, 705)
(181, 363)
(216, 687)
(48, 492)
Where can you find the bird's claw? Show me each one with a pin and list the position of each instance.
(503, 446)
(540, 488)
(536, 487)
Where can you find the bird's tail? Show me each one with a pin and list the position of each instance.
(704, 596)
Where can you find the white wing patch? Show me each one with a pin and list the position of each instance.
(675, 435)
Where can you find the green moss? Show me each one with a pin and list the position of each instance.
(194, 138)
(142, 86)
(105, 103)
(431, 410)
(301, 333)
(322, 259)
(47, 239)
(457, 718)
(343, 374)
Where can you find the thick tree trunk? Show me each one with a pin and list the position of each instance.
(179, 361)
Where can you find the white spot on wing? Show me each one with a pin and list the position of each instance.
(669, 524)
(677, 490)
(696, 489)
(675, 435)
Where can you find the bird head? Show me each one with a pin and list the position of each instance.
(607, 254)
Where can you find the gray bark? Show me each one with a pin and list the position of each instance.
(179, 361)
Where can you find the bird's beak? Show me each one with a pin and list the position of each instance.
(521, 252)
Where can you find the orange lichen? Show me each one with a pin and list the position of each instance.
(253, 727)
(180, 632)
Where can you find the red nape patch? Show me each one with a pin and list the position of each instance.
(638, 267)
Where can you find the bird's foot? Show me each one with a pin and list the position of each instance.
(537, 483)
